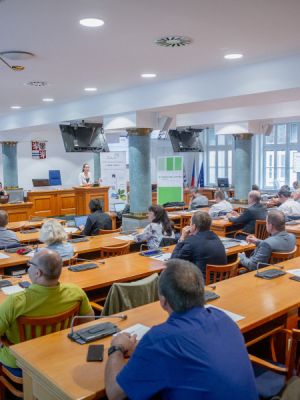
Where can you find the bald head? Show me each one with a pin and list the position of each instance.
(254, 196)
(49, 262)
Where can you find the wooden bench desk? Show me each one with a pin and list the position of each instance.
(56, 368)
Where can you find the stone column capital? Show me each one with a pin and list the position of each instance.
(139, 131)
(9, 143)
(245, 136)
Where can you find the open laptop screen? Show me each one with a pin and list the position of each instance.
(81, 220)
(119, 207)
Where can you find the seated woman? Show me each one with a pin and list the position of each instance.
(159, 227)
(54, 236)
(96, 220)
(2, 191)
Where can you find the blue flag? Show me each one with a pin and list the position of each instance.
(200, 182)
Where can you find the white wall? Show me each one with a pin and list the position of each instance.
(70, 164)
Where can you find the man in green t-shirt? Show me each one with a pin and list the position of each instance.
(45, 297)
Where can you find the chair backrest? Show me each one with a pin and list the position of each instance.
(216, 273)
(114, 250)
(54, 177)
(70, 261)
(106, 231)
(293, 358)
(278, 256)
(261, 229)
(32, 327)
(4, 198)
(124, 296)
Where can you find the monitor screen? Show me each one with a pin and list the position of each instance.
(80, 220)
(84, 137)
(15, 195)
(185, 140)
(119, 207)
(223, 182)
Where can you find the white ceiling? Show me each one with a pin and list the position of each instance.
(71, 57)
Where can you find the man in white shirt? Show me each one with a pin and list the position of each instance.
(288, 205)
(221, 207)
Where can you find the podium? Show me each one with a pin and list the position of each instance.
(83, 195)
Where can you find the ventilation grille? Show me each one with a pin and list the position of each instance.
(37, 83)
(173, 41)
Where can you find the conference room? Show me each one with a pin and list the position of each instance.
(150, 177)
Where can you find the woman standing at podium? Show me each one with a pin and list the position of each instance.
(85, 176)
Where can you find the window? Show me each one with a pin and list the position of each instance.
(278, 152)
(218, 157)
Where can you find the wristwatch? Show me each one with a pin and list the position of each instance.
(113, 349)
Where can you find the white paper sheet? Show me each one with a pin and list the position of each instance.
(162, 257)
(125, 237)
(233, 316)
(12, 289)
(70, 230)
(2, 255)
(294, 272)
(139, 330)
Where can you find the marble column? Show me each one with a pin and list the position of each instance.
(139, 170)
(10, 164)
(97, 167)
(243, 165)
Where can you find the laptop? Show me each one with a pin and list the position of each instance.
(119, 207)
(80, 220)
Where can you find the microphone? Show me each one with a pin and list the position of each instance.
(74, 335)
(266, 265)
(90, 261)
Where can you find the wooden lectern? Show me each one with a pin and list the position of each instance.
(83, 195)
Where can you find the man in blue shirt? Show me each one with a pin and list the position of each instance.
(198, 353)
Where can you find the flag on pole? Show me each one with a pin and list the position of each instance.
(200, 182)
(193, 175)
(185, 180)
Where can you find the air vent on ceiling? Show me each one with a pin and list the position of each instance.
(173, 41)
(37, 83)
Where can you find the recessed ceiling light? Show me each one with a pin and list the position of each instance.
(148, 75)
(233, 56)
(48, 99)
(15, 107)
(90, 89)
(91, 22)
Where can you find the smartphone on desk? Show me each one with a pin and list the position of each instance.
(295, 278)
(95, 352)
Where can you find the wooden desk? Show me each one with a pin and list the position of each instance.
(17, 226)
(18, 211)
(56, 368)
(54, 202)
(83, 195)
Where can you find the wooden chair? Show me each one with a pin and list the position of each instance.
(184, 221)
(271, 376)
(277, 257)
(70, 261)
(106, 231)
(114, 250)
(261, 230)
(217, 273)
(30, 328)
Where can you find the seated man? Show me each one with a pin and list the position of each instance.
(248, 219)
(222, 206)
(280, 240)
(197, 200)
(45, 297)
(7, 238)
(288, 205)
(296, 195)
(198, 353)
(200, 245)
